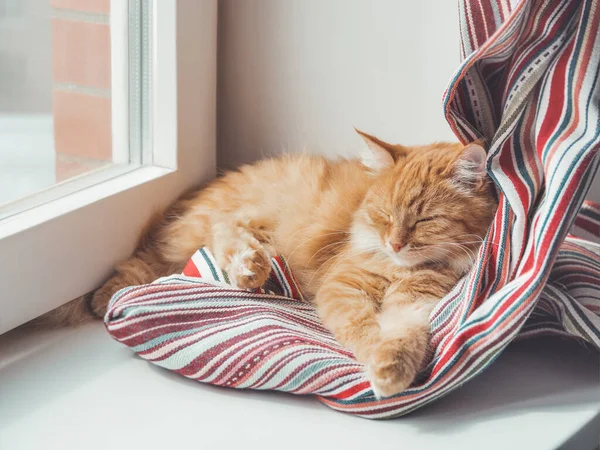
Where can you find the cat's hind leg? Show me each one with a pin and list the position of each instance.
(164, 250)
(240, 245)
(134, 271)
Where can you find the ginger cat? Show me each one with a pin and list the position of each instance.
(374, 243)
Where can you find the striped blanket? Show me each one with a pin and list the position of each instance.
(528, 85)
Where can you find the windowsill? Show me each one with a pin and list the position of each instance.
(74, 194)
(72, 389)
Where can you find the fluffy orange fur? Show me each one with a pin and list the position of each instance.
(374, 243)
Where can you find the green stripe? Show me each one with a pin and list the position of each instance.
(210, 264)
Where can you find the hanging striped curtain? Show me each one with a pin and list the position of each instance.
(529, 86)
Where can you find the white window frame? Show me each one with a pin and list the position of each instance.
(53, 253)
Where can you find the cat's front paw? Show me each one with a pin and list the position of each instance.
(392, 367)
(250, 267)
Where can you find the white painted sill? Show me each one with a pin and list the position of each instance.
(79, 389)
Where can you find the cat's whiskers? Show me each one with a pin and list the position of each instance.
(348, 253)
(440, 245)
(434, 260)
(342, 242)
(470, 254)
(479, 238)
(300, 230)
(288, 257)
(330, 259)
(468, 251)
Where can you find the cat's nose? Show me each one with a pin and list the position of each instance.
(396, 246)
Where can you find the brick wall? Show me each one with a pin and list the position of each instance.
(81, 96)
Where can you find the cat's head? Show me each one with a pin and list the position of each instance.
(427, 204)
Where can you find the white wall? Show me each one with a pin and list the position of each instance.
(297, 74)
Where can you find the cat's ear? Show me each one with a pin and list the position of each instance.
(378, 155)
(469, 168)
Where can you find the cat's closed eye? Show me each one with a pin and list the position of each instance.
(426, 219)
(379, 216)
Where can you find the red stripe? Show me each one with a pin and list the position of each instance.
(353, 390)
(190, 270)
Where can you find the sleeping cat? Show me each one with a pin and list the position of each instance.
(374, 243)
